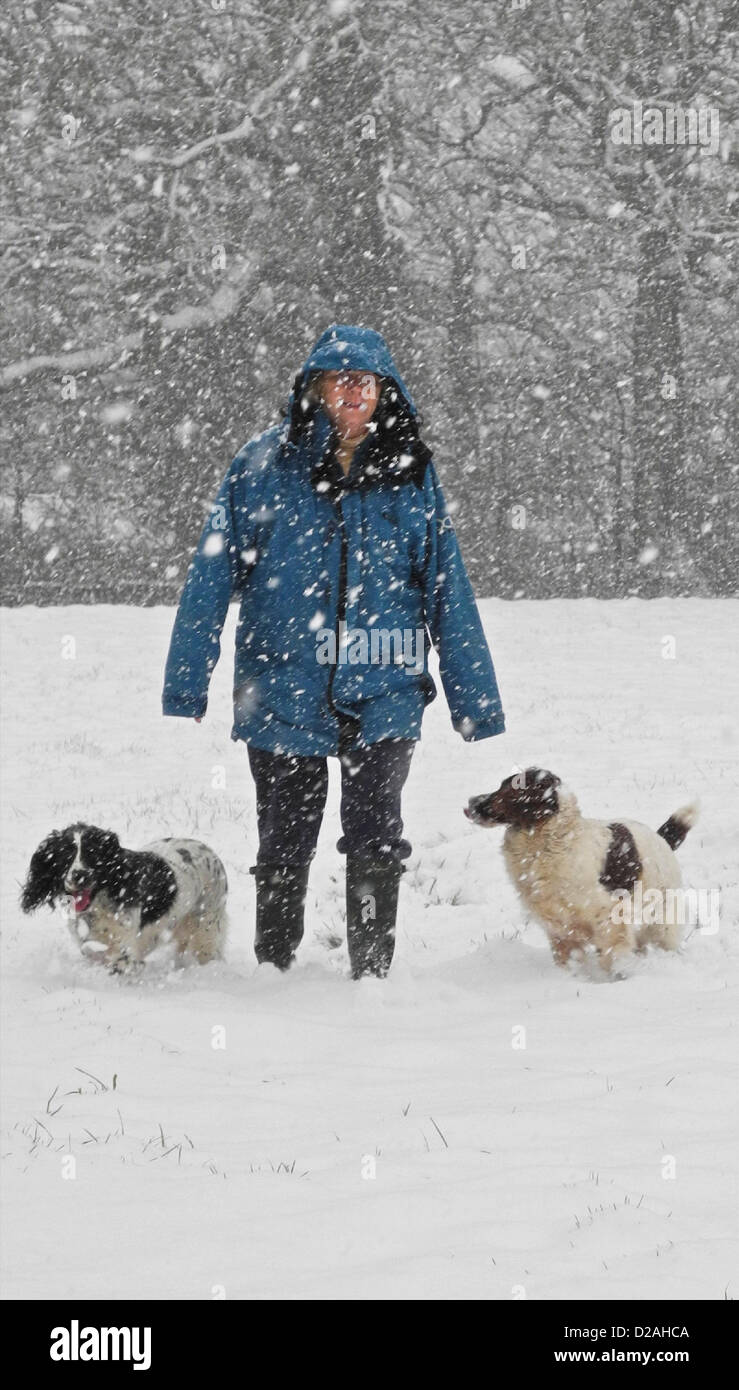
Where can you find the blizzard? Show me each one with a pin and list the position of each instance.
(480, 1125)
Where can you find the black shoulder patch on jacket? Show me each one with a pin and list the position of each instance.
(622, 866)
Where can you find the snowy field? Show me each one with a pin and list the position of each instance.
(374, 1139)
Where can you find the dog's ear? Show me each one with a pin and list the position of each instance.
(539, 777)
(106, 857)
(101, 848)
(541, 796)
(44, 881)
(101, 843)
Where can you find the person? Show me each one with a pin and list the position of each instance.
(334, 530)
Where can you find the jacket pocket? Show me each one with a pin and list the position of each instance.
(392, 545)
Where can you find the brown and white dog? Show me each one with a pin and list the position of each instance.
(120, 903)
(576, 875)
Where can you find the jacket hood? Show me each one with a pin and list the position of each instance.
(394, 448)
(349, 347)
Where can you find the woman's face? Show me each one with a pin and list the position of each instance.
(349, 399)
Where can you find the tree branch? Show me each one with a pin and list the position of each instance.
(245, 128)
(221, 306)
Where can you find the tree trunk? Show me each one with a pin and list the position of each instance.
(351, 262)
(659, 426)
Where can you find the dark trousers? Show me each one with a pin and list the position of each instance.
(291, 797)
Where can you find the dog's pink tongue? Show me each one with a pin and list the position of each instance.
(81, 900)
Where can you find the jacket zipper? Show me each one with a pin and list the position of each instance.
(340, 605)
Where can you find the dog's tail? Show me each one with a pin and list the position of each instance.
(679, 823)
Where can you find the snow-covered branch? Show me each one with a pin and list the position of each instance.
(245, 127)
(219, 307)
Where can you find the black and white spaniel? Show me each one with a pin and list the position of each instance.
(120, 903)
(614, 885)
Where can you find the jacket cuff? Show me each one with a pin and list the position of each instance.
(472, 730)
(183, 707)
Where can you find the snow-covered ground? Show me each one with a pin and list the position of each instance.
(374, 1139)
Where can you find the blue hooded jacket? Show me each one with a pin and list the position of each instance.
(371, 559)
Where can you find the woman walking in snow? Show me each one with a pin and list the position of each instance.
(334, 531)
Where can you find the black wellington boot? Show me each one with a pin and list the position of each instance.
(371, 912)
(281, 892)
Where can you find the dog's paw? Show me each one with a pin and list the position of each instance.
(124, 965)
